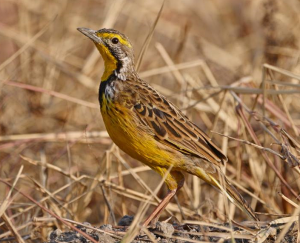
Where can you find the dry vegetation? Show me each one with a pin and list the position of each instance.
(230, 65)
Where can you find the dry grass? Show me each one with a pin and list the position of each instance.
(230, 65)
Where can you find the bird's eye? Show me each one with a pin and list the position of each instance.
(115, 40)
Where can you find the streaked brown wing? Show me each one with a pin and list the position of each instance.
(173, 128)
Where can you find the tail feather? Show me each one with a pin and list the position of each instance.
(239, 201)
(230, 191)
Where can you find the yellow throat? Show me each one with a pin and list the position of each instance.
(110, 62)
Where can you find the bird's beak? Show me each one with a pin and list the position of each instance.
(91, 34)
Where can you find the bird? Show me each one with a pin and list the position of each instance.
(150, 128)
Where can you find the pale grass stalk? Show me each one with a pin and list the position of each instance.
(5, 203)
(137, 177)
(92, 228)
(287, 113)
(42, 200)
(177, 75)
(168, 69)
(288, 222)
(134, 227)
(121, 182)
(53, 93)
(148, 38)
(288, 200)
(12, 228)
(18, 228)
(121, 190)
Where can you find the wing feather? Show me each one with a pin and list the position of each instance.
(171, 127)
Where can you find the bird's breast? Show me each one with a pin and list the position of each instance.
(128, 132)
(122, 128)
(129, 135)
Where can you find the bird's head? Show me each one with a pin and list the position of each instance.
(116, 51)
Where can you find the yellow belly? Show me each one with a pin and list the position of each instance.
(134, 140)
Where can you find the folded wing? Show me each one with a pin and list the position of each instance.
(172, 128)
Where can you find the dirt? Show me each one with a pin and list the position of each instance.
(165, 232)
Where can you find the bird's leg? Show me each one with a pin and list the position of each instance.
(155, 214)
(174, 180)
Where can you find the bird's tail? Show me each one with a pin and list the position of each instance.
(230, 191)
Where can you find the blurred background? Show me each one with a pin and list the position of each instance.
(206, 56)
